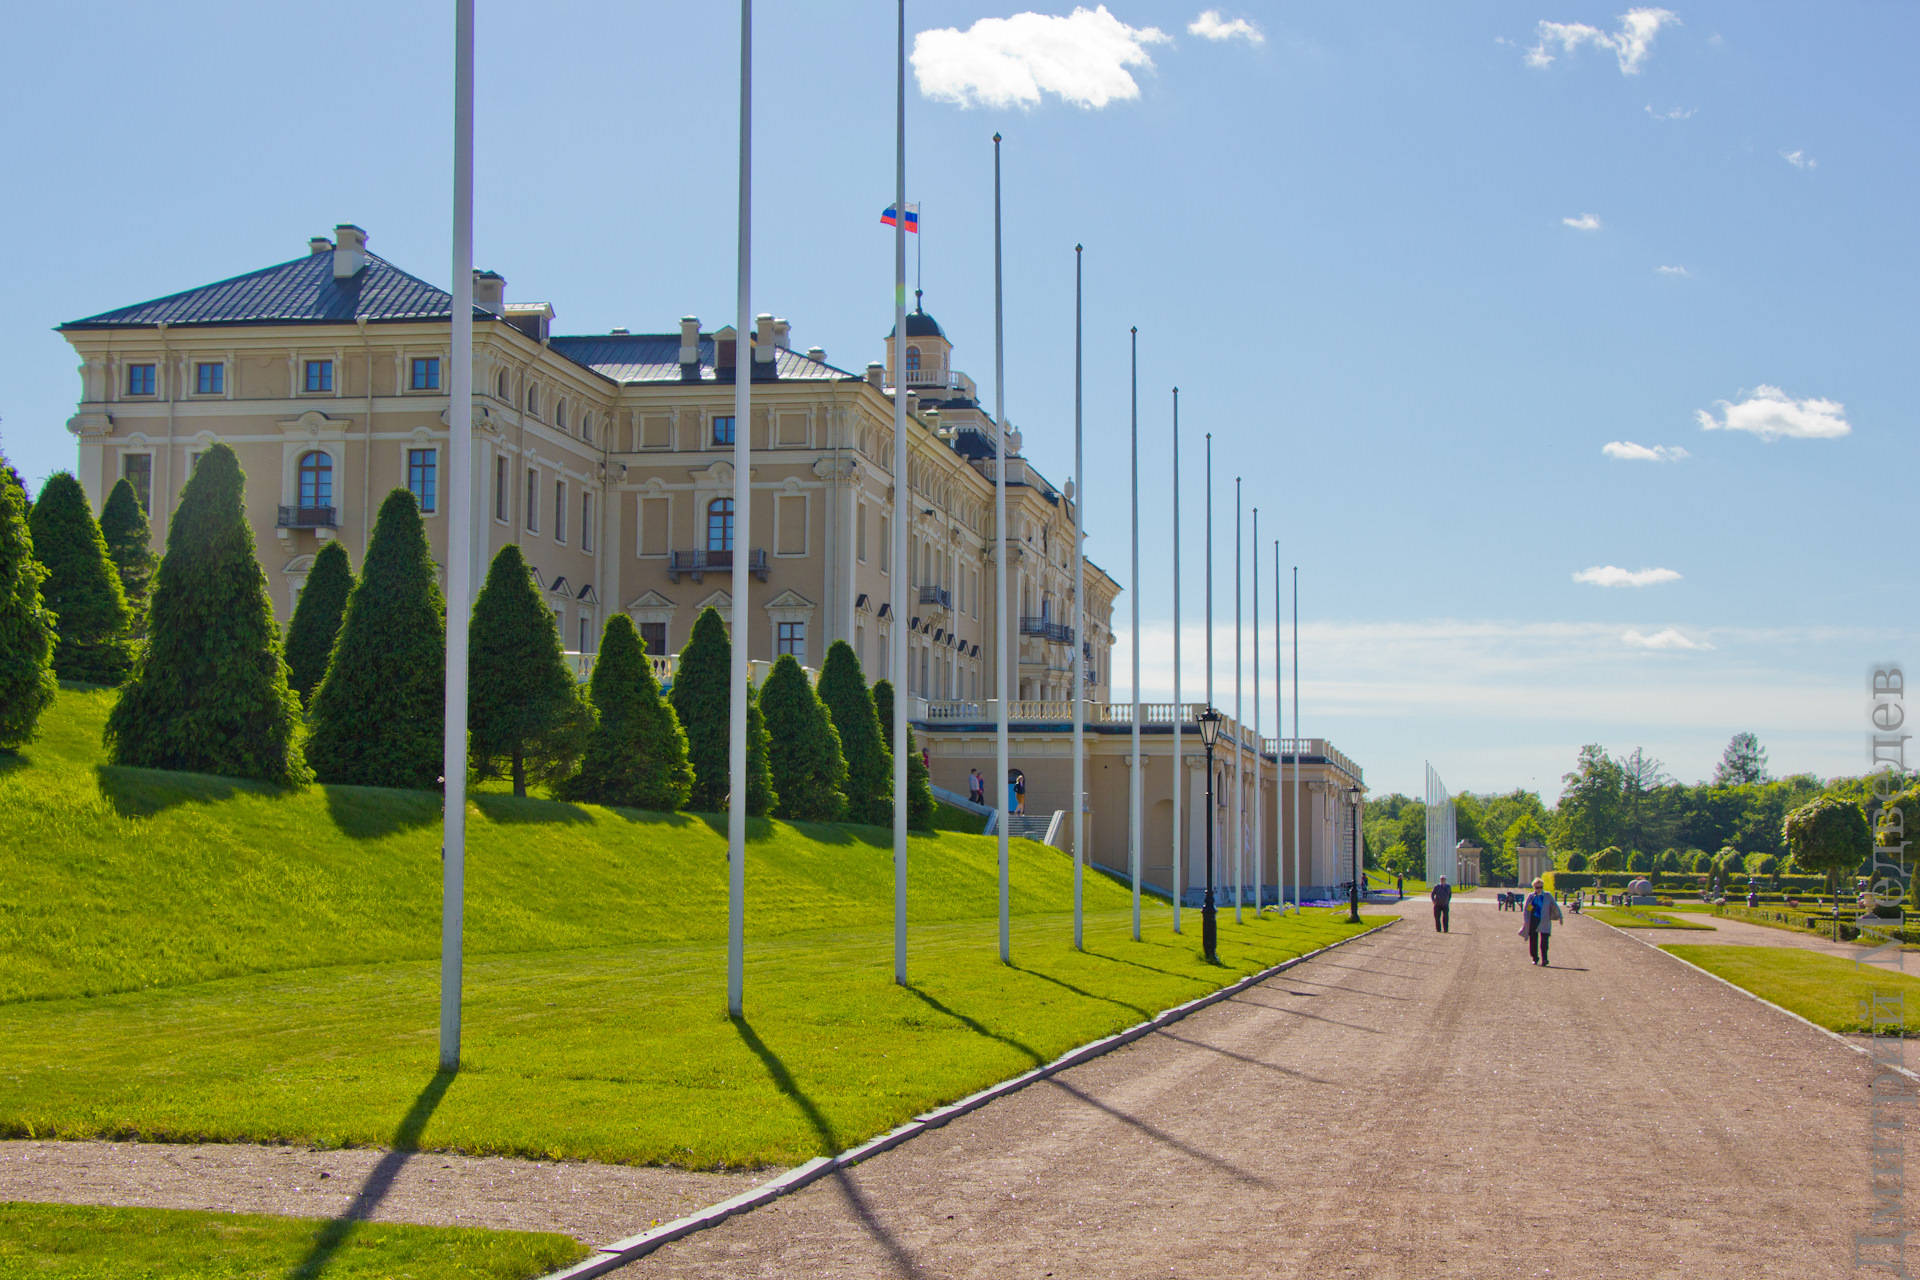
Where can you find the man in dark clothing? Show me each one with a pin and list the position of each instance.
(1442, 895)
(1400, 887)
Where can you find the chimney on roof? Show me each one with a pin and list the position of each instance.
(817, 353)
(349, 251)
(689, 339)
(763, 338)
(490, 292)
(725, 340)
(780, 332)
(319, 245)
(876, 374)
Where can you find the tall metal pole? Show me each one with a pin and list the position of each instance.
(743, 361)
(1239, 726)
(1079, 627)
(1179, 762)
(1296, 739)
(1212, 813)
(902, 507)
(1002, 570)
(453, 849)
(1259, 847)
(1137, 783)
(1279, 759)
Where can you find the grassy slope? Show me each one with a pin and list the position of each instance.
(69, 1242)
(595, 1024)
(1821, 988)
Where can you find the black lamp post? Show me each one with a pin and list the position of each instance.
(1353, 890)
(1209, 734)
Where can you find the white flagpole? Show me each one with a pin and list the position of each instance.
(1259, 847)
(1213, 810)
(902, 507)
(1179, 712)
(743, 360)
(1134, 850)
(1079, 628)
(1239, 725)
(1003, 640)
(1296, 740)
(453, 866)
(1279, 758)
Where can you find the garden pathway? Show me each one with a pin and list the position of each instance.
(1741, 933)
(1411, 1105)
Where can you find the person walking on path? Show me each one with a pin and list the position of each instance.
(1400, 887)
(1442, 895)
(1536, 921)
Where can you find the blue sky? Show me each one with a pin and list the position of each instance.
(1404, 260)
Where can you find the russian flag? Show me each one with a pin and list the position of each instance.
(913, 218)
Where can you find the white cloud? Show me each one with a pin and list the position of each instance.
(1799, 160)
(1631, 44)
(1671, 271)
(1608, 575)
(1213, 27)
(1585, 222)
(1678, 113)
(1082, 58)
(1771, 413)
(1667, 639)
(1628, 451)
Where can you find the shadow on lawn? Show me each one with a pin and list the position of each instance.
(367, 813)
(1079, 991)
(406, 1140)
(142, 793)
(974, 1024)
(510, 809)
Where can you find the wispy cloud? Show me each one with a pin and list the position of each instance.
(1799, 159)
(1609, 575)
(1677, 113)
(1085, 58)
(1771, 413)
(1632, 44)
(1211, 26)
(1585, 222)
(1667, 639)
(1628, 451)
(1670, 271)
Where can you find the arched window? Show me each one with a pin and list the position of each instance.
(316, 479)
(913, 359)
(720, 524)
(533, 401)
(560, 415)
(501, 385)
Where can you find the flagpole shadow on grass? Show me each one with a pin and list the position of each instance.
(974, 1024)
(1079, 991)
(406, 1141)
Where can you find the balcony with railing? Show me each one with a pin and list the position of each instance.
(308, 518)
(697, 564)
(1055, 632)
(937, 595)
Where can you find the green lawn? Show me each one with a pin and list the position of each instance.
(190, 959)
(1823, 989)
(69, 1242)
(1641, 918)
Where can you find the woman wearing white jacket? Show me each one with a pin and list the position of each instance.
(1537, 916)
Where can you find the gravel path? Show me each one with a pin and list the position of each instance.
(1414, 1105)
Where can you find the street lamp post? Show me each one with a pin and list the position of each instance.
(1353, 889)
(1209, 933)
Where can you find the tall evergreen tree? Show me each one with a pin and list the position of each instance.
(843, 687)
(123, 523)
(524, 705)
(27, 682)
(380, 712)
(700, 696)
(920, 805)
(809, 771)
(82, 587)
(636, 755)
(316, 619)
(209, 689)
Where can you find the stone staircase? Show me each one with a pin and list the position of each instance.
(1028, 826)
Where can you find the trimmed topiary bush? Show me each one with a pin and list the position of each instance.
(524, 707)
(92, 644)
(700, 697)
(27, 682)
(129, 538)
(1828, 836)
(316, 620)
(920, 804)
(1576, 862)
(208, 693)
(808, 768)
(379, 716)
(636, 755)
(843, 688)
(1608, 859)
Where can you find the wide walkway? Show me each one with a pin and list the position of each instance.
(1413, 1105)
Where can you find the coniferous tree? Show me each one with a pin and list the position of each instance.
(524, 705)
(82, 586)
(843, 687)
(316, 620)
(380, 711)
(27, 682)
(701, 698)
(920, 803)
(809, 771)
(636, 755)
(209, 691)
(123, 523)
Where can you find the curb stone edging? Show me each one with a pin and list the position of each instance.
(1825, 1031)
(618, 1254)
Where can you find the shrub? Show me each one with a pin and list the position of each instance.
(1668, 863)
(1699, 862)
(843, 688)
(809, 771)
(1576, 862)
(209, 691)
(524, 704)
(1608, 859)
(129, 538)
(1828, 835)
(1640, 860)
(27, 682)
(379, 716)
(636, 755)
(920, 805)
(83, 589)
(701, 697)
(316, 620)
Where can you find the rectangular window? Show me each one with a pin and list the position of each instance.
(210, 379)
(886, 544)
(138, 469)
(723, 430)
(792, 639)
(654, 636)
(139, 379)
(584, 625)
(500, 489)
(422, 466)
(193, 460)
(426, 373)
(319, 375)
(559, 510)
(533, 501)
(586, 521)
(860, 531)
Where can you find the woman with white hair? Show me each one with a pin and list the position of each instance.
(1537, 915)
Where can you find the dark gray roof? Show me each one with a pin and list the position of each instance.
(655, 357)
(922, 325)
(299, 292)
